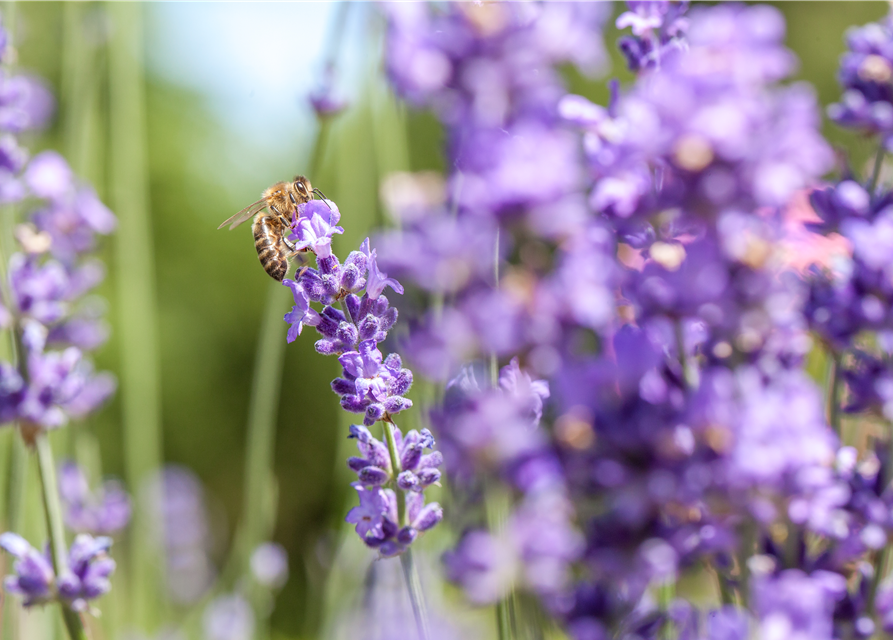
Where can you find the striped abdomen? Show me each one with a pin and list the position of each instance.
(271, 248)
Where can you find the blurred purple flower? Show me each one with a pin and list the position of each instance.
(89, 568)
(105, 511)
(865, 73)
(25, 103)
(269, 565)
(228, 617)
(33, 579)
(177, 502)
(793, 604)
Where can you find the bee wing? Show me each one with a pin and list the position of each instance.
(244, 214)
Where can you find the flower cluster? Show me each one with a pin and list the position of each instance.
(356, 317)
(105, 511)
(34, 580)
(47, 306)
(658, 26)
(865, 74)
(628, 262)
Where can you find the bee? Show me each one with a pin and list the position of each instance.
(274, 249)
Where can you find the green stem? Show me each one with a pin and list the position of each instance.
(505, 619)
(834, 394)
(137, 312)
(410, 573)
(53, 510)
(258, 514)
(396, 469)
(876, 170)
(687, 376)
(416, 596)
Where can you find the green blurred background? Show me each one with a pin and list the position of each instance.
(225, 115)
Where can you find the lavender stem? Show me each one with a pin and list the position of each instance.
(416, 596)
(410, 574)
(834, 394)
(876, 170)
(53, 510)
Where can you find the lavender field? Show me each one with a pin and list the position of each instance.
(563, 321)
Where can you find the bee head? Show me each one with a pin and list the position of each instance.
(303, 188)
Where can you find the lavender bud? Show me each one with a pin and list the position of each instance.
(328, 266)
(331, 284)
(352, 304)
(353, 404)
(373, 476)
(389, 319)
(428, 517)
(356, 463)
(396, 404)
(361, 433)
(314, 287)
(347, 333)
(401, 383)
(407, 481)
(350, 278)
(328, 326)
(344, 387)
(427, 438)
(369, 327)
(428, 476)
(411, 456)
(431, 460)
(356, 259)
(380, 306)
(328, 347)
(393, 361)
(407, 535)
(374, 412)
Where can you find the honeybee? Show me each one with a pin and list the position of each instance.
(274, 249)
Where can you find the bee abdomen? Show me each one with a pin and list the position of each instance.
(271, 250)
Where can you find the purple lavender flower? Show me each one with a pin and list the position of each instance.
(60, 384)
(369, 515)
(269, 565)
(313, 226)
(793, 603)
(325, 102)
(371, 385)
(25, 103)
(86, 579)
(302, 313)
(865, 72)
(377, 517)
(537, 547)
(106, 511)
(228, 617)
(376, 281)
(178, 504)
(658, 29)
(89, 568)
(34, 577)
